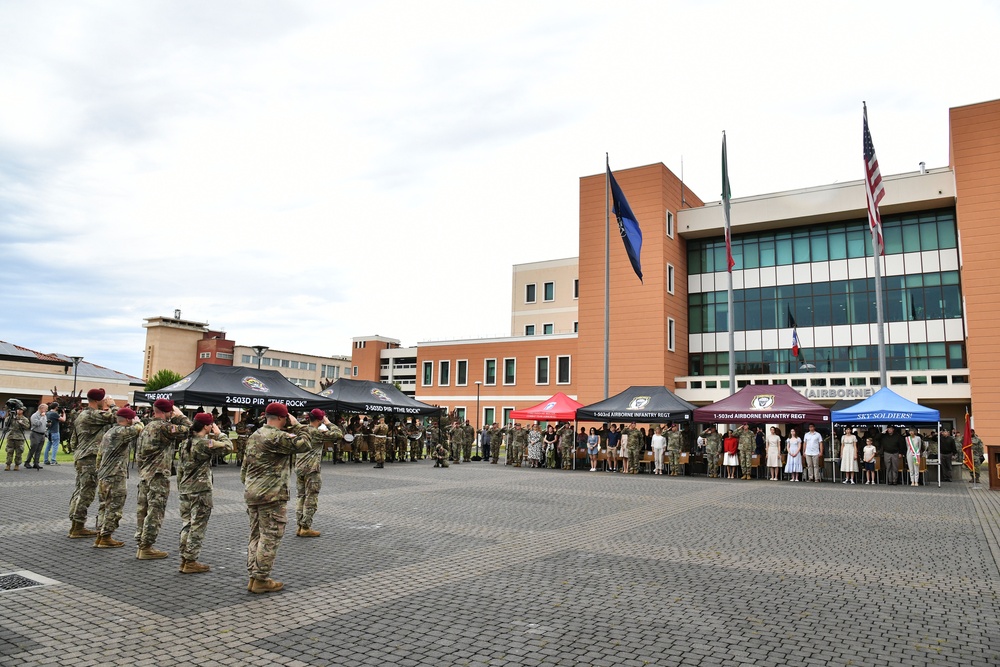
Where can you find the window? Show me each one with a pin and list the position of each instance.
(428, 374)
(529, 293)
(355, 371)
(223, 355)
(670, 278)
(529, 329)
(576, 327)
(246, 359)
(285, 363)
(509, 371)
(547, 329)
(312, 366)
(460, 414)
(541, 370)
(293, 364)
(461, 372)
(204, 355)
(489, 416)
(506, 415)
(671, 330)
(327, 371)
(549, 291)
(490, 371)
(670, 224)
(576, 288)
(563, 370)
(444, 373)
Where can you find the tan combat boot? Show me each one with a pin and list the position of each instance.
(192, 567)
(77, 531)
(8, 467)
(107, 542)
(265, 586)
(149, 553)
(307, 532)
(16, 468)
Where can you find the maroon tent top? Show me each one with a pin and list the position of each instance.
(558, 408)
(775, 403)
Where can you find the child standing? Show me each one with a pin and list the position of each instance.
(868, 455)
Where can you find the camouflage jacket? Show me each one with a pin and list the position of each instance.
(88, 430)
(748, 440)
(713, 442)
(19, 429)
(468, 434)
(194, 471)
(268, 462)
(155, 450)
(567, 438)
(674, 441)
(318, 439)
(520, 437)
(112, 459)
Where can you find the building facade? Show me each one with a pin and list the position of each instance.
(544, 298)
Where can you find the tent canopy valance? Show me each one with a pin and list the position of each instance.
(369, 397)
(639, 404)
(772, 403)
(235, 387)
(558, 408)
(886, 407)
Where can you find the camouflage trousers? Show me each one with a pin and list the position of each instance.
(196, 508)
(746, 456)
(495, 452)
(634, 456)
(514, 454)
(416, 449)
(467, 451)
(15, 450)
(675, 461)
(86, 488)
(267, 526)
(240, 447)
(307, 487)
(379, 449)
(456, 452)
(151, 504)
(111, 491)
(712, 463)
(568, 452)
(400, 449)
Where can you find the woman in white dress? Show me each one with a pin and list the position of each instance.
(623, 451)
(659, 443)
(774, 454)
(849, 456)
(793, 447)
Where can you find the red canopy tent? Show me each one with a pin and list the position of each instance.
(558, 408)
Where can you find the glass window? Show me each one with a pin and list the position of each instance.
(671, 328)
(549, 291)
(529, 293)
(783, 248)
(911, 238)
(800, 244)
(767, 252)
(509, 371)
(547, 329)
(751, 256)
(284, 363)
(542, 370)
(529, 329)
(489, 416)
(670, 224)
(946, 233)
(461, 372)
(837, 242)
(818, 248)
(444, 373)
(856, 243)
(929, 235)
(576, 288)
(490, 371)
(892, 236)
(245, 358)
(670, 278)
(563, 370)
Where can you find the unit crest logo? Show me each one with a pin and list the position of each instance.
(381, 395)
(549, 406)
(250, 382)
(178, 384)
(762, 401)
(638, 403)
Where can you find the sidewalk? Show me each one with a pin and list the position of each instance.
(490, 565)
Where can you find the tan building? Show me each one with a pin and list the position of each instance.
(544, 297)
(31, 376)
(172, 344)
(305, 370)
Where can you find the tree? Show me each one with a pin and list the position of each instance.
(163, 378)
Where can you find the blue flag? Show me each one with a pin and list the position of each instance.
(628, 226)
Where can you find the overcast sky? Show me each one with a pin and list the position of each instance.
(298, 173)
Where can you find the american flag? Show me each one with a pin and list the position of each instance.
(873, 188)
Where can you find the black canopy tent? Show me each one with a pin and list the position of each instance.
(368, 397)
(235, 387)
(639, 404)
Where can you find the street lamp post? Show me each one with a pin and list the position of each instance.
(76, 364)
(259, 350)
(479, 434)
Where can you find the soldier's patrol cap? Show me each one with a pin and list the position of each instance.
(126, 413)
(95, 395)
(164, 405)
(316, 413)
(276, 410)
(203, 418)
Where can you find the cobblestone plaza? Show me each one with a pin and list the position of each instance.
(491, 565)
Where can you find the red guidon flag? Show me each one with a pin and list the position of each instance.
(967, 445)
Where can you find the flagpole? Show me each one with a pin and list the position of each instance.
(607, 268)
(874, 192)
(880, 319)
(726, 195)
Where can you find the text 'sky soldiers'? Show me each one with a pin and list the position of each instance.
(88, 430)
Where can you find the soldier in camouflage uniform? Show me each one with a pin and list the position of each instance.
(567, 445)
(112, 471)
(154, 456)
(265, 475)
(380, 436)
(307, 470)
(517, 445)
(194, 486)
(713, 447)
(636, 448)
(978, 450)
(415, 436)
(674, 449)
(19, 428)
(748, 443)
(242, 433)
(468, 437)
(88, 431)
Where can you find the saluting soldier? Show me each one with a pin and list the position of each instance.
(308, 482)
(977, 457)
(112, 471)
(748, 442)
(194, 486)
(713, 447)
(674, 449)
(468, 437)
(567, 445)
(90, 427)
(519, 443)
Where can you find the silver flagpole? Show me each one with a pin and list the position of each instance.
(607, 269)
(726, 195)
(878, 307)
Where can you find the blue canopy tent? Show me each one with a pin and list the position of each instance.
(886, 407)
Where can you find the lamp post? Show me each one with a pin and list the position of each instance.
(479, 434)
(259, 350)
(76, 364)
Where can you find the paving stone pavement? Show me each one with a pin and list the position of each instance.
(491, 565)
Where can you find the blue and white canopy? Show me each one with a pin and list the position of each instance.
(886, 407)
